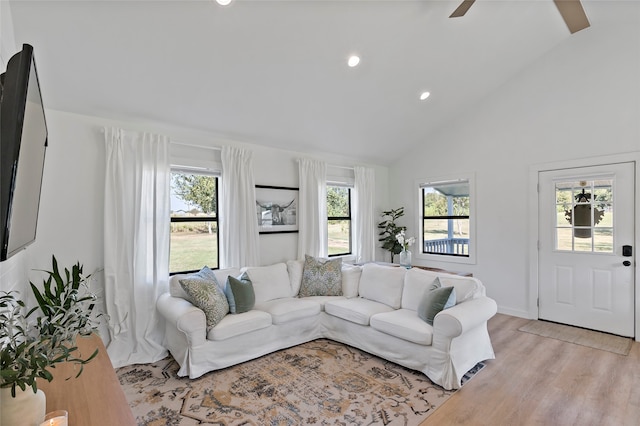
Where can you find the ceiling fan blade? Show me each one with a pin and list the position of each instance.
(573, 14)
(462, 9)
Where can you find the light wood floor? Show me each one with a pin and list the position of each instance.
(540, 381)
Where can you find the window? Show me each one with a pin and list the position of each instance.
(194, 222)
(446, 218)
(584, 216)
(338, 220)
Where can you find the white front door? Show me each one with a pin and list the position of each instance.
(586, 217)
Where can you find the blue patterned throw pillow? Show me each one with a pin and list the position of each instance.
(321, 277)
(206, 295)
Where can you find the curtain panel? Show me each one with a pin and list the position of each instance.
(312, 208)
(136, 243)
(364, 223)
(239, 238)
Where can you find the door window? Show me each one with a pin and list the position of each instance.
(584, 215)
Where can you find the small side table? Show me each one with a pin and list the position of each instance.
(93, 399)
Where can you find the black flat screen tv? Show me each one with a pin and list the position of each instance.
(23, 142)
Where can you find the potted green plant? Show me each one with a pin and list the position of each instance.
(32, 342)
(389, 230)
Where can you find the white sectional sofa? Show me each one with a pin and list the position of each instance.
(376, 313)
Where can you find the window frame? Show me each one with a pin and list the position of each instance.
(348, 218)
(419, 209)
(202, 172)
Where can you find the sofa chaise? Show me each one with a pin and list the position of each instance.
(378, 311)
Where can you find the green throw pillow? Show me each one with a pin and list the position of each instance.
(240, 294)
(435, 301)
(321, 277)
(206, 295)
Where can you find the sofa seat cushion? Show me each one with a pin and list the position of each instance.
(323, 299)
(289, 309)
(235, 325)
(358, 310)
(404, 324)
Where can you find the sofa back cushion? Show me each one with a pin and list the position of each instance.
(417, 280)
(294, 267)
(382, 284)
(350, 280)
(269, 282)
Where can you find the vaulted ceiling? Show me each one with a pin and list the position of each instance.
(275, 73)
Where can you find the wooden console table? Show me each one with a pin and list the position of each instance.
(426, 268)
(93, 399)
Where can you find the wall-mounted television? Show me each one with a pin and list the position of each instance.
(23, 142)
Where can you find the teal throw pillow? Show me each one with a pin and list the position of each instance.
(240, 294)
(434, 301)
(321, 277)
(207, 295)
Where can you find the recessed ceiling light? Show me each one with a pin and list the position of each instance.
(353, 60)
(223, 2)
(424, 95)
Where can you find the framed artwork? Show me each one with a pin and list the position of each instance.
(276, 209)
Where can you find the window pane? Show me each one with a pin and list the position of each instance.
(582, 243)
(193, 194)
(564, 239)
(447, 236)
(339, 237)
(603, 240)
(193, 245)
(338, 202)
(435, 203)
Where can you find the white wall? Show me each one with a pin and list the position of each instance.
(7, 38)
(580, 100)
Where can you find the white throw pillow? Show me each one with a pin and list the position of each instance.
(466, 287)
(382, 284)
(416, 282)
(269, 282)
(350, 279)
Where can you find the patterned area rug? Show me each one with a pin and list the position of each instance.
(317, 383)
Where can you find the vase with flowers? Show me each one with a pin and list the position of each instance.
(32, 342)
(405, 254)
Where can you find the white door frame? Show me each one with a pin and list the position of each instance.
(534, 210)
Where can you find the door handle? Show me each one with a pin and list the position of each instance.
(626, 263)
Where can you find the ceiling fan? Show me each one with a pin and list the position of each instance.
(571, 10)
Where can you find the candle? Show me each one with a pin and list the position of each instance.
(56, 418)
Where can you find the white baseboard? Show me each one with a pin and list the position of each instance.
(515, 312)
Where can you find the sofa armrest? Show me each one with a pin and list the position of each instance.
(465, 316)
(185, 317)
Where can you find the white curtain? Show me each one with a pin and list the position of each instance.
(136, 243)
(312, 208)
(364, 223)
(239, 239)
